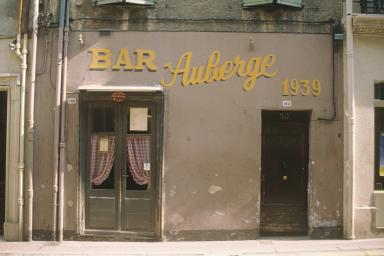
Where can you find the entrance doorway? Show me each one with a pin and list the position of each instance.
(121, 174)
(3, 155)
(284, 176)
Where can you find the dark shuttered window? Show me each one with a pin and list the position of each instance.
(138, 2)
(293, 3)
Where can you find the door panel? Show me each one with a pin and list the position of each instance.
(3, 135)
(122, 185)
(139, 193)
(102, 193)
(284, 175)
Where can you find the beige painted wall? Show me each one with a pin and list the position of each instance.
(212, 138)
(368, 63)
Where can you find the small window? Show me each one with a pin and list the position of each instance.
(379, 91)
(111, 2)
(379, 149)
(293, 3)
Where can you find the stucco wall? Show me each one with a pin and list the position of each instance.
(202, 121)
(212, 139)
(8, 17)
(368, 60)
(9, 62)
(212, 15)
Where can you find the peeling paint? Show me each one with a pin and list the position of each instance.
(317, 204)
(69, 168)
(70, 203)
(318, 222)
(176, 219)
(172, 193)
(213, 189)
(218, 213)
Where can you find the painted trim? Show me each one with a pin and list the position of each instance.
(124, 88)
(10, 82)
(372, 24)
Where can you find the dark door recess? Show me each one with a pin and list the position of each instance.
(3, 154)
(284, 173)
(121, 168)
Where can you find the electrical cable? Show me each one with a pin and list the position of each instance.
(333, 117)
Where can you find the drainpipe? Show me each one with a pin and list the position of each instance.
(57, 115)
(62, 127)
(31, 119)
(349, 147)
(22, 54)
(20, 199)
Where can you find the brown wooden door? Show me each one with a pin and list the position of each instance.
(3, 135)
(284, 173)
(122, 165)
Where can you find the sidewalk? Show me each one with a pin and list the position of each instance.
(275, 246)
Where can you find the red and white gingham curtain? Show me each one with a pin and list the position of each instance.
(138, 153)
(101, 162)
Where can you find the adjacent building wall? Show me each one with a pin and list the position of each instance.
(9, 81)
(368, 63)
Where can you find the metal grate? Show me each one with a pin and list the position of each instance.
(371, 6)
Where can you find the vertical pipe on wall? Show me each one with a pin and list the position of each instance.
(20, 200)
(57, 116)
(18, 38)
(349, 146)
(62, 127)
(22, 53)
(31, 117)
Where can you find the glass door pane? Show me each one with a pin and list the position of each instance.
(101, 183)
(139, 173)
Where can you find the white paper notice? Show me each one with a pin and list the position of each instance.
(147, 166)
(138, 119)
(103, 145)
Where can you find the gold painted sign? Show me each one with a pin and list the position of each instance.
(216, 69)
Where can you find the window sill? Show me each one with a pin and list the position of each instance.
(368, 24)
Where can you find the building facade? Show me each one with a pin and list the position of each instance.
(364, 75)
(191, 120)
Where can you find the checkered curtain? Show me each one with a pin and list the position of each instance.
(138, 153)
(101, 162)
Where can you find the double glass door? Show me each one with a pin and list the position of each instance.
(121, 166)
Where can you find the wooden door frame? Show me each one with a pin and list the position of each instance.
(155, 98)
(303, 117)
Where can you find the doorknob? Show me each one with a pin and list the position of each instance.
(285, 177)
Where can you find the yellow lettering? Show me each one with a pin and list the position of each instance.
(213, 61)
(249, 84)
(101, 58)
(267, 62)
(239, 66)
(123, 61)
(253, 72)
(197, 75)
(182, 67)
(145, 57)
(226, 70)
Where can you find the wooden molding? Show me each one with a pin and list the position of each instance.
(368, 24)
